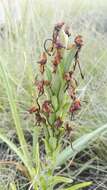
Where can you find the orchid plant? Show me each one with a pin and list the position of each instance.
(54, 106)
(57, 99)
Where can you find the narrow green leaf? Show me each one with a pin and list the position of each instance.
(47, 148)
(53, 143)
(52, 118)
(36, 133)
(68, 58)
(79, 145)
(55, 102)
(78, 186)
(14, 148)
(15, 115)
(37, 158)
(56, 83)
(60, 179)
(48, 75)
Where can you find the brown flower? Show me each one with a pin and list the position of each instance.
(67, 30)
(68, 128)
(71, 92)
(78, 41)
(33, 109)
(76, 106)
(59, 25)
(68, 76)
(57, 60)
(42, 62)
(39, 119)
(40, 86)
(47, 106)
(58, 123)
(71, 84)
(46, 82)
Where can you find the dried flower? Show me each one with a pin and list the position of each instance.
(57, 60)
(67, 30)
(71, 92)
(39, 119)
(78, 41)
(56, 31)
(46, 82)
(68, 127)
(47, 106)
(58, 123)
(42, 62)
(71, 84)
(33, 109)
(40, 86)
(68, 75)
(76, 106)
(59, 45)
(59, 25)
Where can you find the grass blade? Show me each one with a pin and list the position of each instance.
(78, 186)
(11, 99)
(79, 145)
